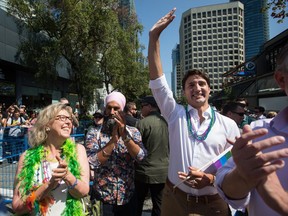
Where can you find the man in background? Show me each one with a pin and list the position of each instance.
(131, 112)
(259, 112)
(234, 111)
(151, 173)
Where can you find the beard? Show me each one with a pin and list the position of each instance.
(108, 125)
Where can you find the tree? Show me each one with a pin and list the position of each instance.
(278, 9)
(83, 36)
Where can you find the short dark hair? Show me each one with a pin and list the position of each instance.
(231, 106)
(129, 106)
(242, 99)
(260, 108)
(195, 72)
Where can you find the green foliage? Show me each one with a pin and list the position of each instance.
(86, 37)
(278, 9)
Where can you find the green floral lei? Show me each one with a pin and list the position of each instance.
(32, 162)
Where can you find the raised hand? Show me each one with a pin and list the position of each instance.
(161, 24)
(251, 164)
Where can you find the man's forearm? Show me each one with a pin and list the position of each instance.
(234, 186)
(274, 194)
(154, 59)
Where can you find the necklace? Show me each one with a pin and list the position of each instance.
(32, 162)
(192, 130)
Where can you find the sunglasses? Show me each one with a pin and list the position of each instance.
(98, 116)
(240, 114)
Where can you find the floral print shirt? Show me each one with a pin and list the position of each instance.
(113, 180)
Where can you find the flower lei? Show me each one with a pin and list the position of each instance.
(192, 130)
(32, 161)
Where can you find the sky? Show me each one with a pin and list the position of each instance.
(150, 11)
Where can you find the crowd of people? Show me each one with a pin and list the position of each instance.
(164, 152)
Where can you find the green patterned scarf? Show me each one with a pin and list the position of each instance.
(32, 161)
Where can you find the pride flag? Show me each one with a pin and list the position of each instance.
(217, 162)
(212, 166)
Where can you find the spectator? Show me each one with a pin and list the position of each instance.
(247, 117)
(257, 175)
(271, 114)
(75, 121)
(131, 113)
(116, 149)
(151, 173)
(234, 111)
(33, 118)
(14, 122)
(197, 134)
(23, 113)
(53, 175)
(259, 112)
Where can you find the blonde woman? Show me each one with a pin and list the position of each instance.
(53, 175)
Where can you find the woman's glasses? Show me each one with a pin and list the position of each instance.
(63, 118)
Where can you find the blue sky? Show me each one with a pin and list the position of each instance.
(150, 11)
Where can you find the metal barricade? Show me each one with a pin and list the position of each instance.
(12, 148)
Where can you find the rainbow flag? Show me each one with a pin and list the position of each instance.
(212, 166)
(218, 161)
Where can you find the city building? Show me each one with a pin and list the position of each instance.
(256, 23)
(212, 38)
(259, 87)
(17, 83)
(176, 75)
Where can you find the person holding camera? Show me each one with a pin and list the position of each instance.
(116, 149)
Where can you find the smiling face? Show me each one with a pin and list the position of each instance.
(197, 91)
(61, 125)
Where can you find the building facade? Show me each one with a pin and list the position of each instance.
(212, 38)
(176, 75)
(256, 24)
(260, 88)
(17, 84)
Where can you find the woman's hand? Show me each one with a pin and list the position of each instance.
(59, 173)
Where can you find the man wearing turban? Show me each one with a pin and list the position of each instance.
(116, 147)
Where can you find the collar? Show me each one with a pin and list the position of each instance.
(207, 114)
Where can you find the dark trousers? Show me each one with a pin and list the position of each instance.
(156, 191)
(117, 210)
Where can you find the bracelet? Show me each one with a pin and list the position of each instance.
(73, 185)
(105, 154)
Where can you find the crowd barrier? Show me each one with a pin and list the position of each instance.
(10, 150)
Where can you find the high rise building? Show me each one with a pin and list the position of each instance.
(212, 38)
(256, 24)
(176, 76)
(128, 4)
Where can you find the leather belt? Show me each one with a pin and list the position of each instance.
(192, 198)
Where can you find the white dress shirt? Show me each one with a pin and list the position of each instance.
(185, 151)
(255, 205)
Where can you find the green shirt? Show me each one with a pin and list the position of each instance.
(154, 168)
